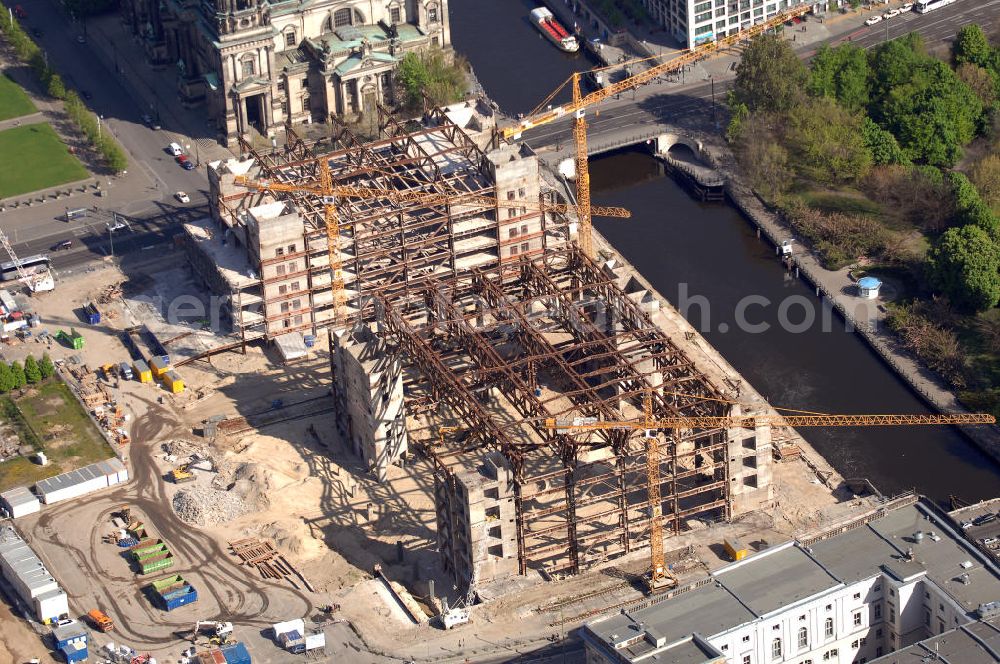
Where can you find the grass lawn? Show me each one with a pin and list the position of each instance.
(34, 158)
(57, 420)
(13, 102)
(846, 201)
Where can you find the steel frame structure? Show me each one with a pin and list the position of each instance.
(564, 323)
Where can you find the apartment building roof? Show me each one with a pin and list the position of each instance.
(975, 643)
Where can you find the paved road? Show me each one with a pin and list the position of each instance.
(678, 103)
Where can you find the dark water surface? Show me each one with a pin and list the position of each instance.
(712, 252)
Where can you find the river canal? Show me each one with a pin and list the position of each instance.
(687, 249)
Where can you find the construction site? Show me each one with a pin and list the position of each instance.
(465, 317)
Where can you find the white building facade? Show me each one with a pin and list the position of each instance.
(693, 22)
(853, 596)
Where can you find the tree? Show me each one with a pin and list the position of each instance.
(893, 64)
(970, 208)
(964, 265)
(56, 88)
(841, 73)
(883, 146)
(985, 174)
(31, 371)
(933, 115)
(738, 115)
(827, 142)
(980, 81)
(763, 156)
(20, 380)
(431, 73)
(6, 378)
(770, 76)
(46, 367)
(971, 45)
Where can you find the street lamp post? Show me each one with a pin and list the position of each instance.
(111, 237)
(98, 127)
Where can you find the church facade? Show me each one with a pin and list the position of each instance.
(255, 64)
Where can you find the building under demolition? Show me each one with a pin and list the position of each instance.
(473, 316)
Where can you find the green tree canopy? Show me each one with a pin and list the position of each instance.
(827, 141)
(883, 145)
(17, 371)
(980, 80)
(441, 78)
(971, 45)
(841, 73)
(933, 115)
(46, 367)
(770, 76)
(986, 176)
(31, 371)
(893, 63)
(6, 378)
(965, 266)
(970, 208)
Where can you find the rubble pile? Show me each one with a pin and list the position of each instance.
(203, 506)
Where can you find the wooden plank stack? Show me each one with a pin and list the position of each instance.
(262, 555)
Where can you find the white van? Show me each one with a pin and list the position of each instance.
(175, 150)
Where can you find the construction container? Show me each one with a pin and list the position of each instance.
(236, 653)
(735, 549)
(142, 556)
(173, 382)
(156, 564)
(159, 365)
(92, 313)
(172, 592)
(65, 635)
(142, 371)
(74, 339)
(147, 548)
(82, 481)
(19, 502)
(74, 652)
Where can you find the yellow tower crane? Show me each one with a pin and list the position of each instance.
(578, 105)
(329, 193)
(659, 577)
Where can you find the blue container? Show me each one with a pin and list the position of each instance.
(179, 597)
(236, 654)
(75, 652)
(93, 315)
(309, 339)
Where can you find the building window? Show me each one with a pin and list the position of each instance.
(513, 251)
(295, 286)
(432, 14)
(940, 626)
(280, 269)
(857, 619)
(394, 15)
(524, 246)
(878, 651)
(725, 647)
(878, 610)
(746, 638)
(892, 614)
(775, 627)
(298, 320)
(286, 323)
(877, 588)
(524, 229)
(296, 304)
(776, 649)
(746, 659)
(281, 85)
(829, 607)
(854, 643)
(248, 68)
(828, 627)
(291, 248)
(280, 251)
(342, 17)
(290, 38)
(511, 213)
(857, 595)
(878, 634)
(927, 616)
(293, 266)
(305, 104)
(305, 83)
(802, 617)
(512, 233)
(520, 192)
(282, 289)
(284, 307)
(803, 637)
(510, 195)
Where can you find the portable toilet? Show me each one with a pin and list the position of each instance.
(158, 366)
(142, 371)
(173, 381)
(868, 287)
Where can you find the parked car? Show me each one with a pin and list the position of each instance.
(174, 150)
(80, 39)
(188, 165)
(892, 13)
(872, 20)
(61, 246)
(906, 6)
(182, 197)
(181, 158)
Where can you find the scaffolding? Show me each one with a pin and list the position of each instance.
(560, 338)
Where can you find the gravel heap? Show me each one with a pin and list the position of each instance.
(203, 506)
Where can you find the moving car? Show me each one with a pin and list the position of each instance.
(182, 197)
(873, 20)
(60, 246)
